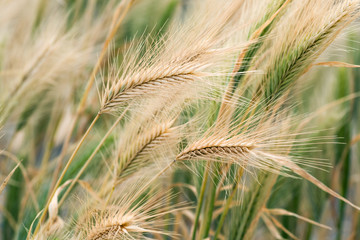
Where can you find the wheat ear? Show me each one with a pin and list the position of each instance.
(133, 160)
(135, 214)
(295, 59)
(254, 155)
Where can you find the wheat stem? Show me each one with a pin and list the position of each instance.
(209, 210)
(228, 202)
(200, 200)
(49, 139)
(90, 83)
(92, 156)
(64, 171)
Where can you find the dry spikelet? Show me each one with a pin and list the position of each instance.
(7, 178)
(55, 224)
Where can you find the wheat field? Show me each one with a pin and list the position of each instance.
(179, 119)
